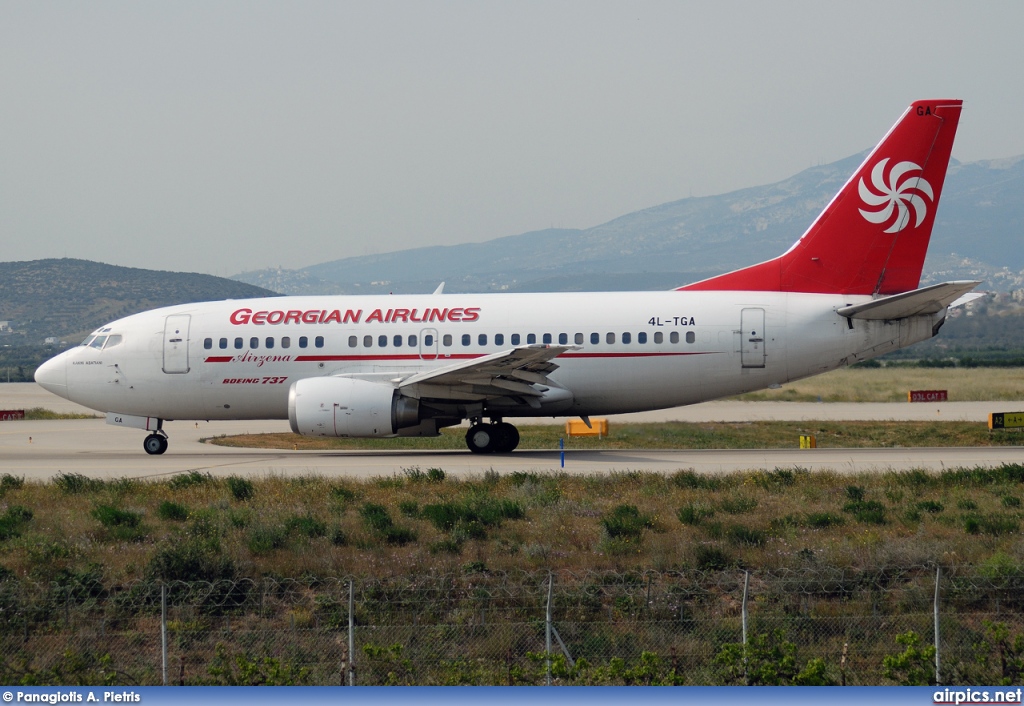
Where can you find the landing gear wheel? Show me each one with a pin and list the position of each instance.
(507, 438)
(155, 444)
(480, 438)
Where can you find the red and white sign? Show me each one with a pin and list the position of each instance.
(7, 415)
(927, 396)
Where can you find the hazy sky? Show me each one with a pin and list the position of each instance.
(219, 137)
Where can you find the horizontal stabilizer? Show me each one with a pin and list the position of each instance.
(927, 300)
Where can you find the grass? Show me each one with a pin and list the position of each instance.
(401, 524)
(675, 435)
(890, 384)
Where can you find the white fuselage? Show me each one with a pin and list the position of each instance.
(237, 359)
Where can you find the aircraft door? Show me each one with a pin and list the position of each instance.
(428, 344)
(176, 343)
(752, 338)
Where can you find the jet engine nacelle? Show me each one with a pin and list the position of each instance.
(337, 406)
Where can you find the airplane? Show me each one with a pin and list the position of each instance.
(410, 365)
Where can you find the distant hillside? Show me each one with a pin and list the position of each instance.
(977, 234)
(68, 298)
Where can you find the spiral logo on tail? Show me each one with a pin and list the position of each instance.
(893, 200)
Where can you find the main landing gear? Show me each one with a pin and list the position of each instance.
(155, 444)
(496, 437)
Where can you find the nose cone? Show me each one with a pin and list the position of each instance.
(52, 376)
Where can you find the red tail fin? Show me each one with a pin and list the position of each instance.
(873, 236)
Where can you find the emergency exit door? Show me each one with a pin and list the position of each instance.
(176, 343)
(752, 338)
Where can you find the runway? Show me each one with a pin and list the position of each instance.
(39, 450)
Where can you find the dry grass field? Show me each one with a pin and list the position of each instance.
(890, 384)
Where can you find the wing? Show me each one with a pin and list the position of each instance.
(519, 372)
(927, 300)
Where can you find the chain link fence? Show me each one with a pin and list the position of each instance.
(515, 628)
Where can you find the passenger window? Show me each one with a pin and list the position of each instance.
(627, 337)
(428, 340)
(412, 341)
(482, 339)
(207, 343)
(531, 338)
(270, 341)
(595, 338)
(223, 343)
(398, 341)
(609, 338)
(659, 337)
(382, 341)
(547, 338)
(563, 338)
(691, 337)
(303, 341)
(254, 342)
(447, 339)
(465, 339)
(353, 341)
(515, 339)
(319, 341)
(286, 342)
(641, 337)
(367, 341)
(578, 339)
(238, 344)
(499, 339)
(673, 337)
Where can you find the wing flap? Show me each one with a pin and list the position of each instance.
(517, 371)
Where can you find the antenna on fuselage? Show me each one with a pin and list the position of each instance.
(440, 289)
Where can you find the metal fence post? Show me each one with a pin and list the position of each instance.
(938, 579)
(163, 631)
(351, 634)
(743, 616)
(547, 642)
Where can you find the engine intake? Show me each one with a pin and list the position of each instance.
(337, 406)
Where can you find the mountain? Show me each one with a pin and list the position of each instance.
(68, 298)
(979, 225)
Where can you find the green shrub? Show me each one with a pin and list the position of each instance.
(76, 483)
(1010, 501)
(855, 493)
(695, 513)
(187, 480)
(190, 560)
(995, 524)
(344, 493)
(306, 525)
(266, 538)
(377, 518)
(409, 508)
(823, 520)
(696, 481)
(12, 521)
(743, 535)
(338, 537)
(110, 516)
(737, 506)
(9, 482)
(930, 506)
(870, 512)
(711, 558)
(172, 511)
(241, 488)
(626, 522)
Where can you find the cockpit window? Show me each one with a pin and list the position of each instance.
(88, 340)
(113, 340)
(98, 342)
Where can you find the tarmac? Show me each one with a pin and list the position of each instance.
(39, 450)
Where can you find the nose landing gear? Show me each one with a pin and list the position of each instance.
(496, 437)
(155, 444)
